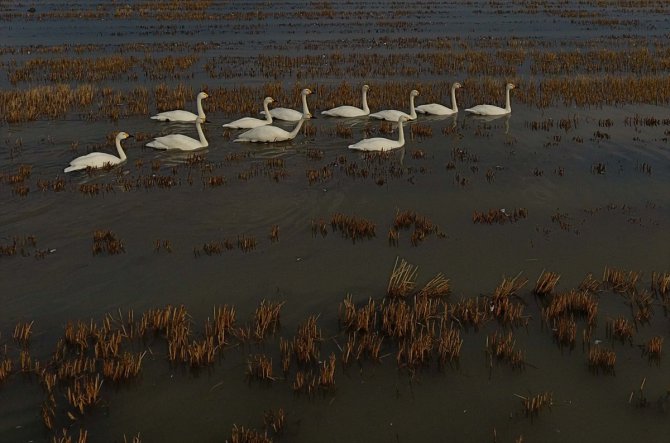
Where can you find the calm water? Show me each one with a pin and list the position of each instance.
(618, 219)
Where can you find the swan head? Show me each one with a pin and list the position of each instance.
(122, 136)
(268, 100)
(414, 93)
(365, 88)
(402, 118)
(203, 95)
(510, 86)
(306, 91)
(457, 85)
(200, 120)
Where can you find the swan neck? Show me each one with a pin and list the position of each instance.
(454, 106)
(268, 116)
(203, 140)
(401, 134)
(365, 101)
(201, 112)
(297, 128)
(305, 109)
(119, 149)
(508, 108)
(412, 111)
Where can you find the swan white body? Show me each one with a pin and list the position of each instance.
(392, 115)
(269, 134)
(380, 143)
(291, 115)
(181, 142)
(99, 159)
(493, 110)
(351, 111)
(438, 109)
(183, 116)
(251, 122)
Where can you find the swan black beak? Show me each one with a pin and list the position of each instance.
(131, 136)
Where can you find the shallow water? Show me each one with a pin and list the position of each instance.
(618, 219)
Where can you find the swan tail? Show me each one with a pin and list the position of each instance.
(158, 117)
(74, 168)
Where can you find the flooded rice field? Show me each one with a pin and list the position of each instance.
(498, 278)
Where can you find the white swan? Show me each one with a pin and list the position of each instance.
(182, 116)
(380, 143)
(181, 142)
(269, 134)
(351, 111)
(493, 110)
(250, 122)
(100, 159)
(291, 115)
(438, 109)
(392, 115)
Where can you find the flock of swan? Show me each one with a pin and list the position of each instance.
(261, 130)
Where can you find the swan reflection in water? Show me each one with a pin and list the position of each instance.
(504, 118)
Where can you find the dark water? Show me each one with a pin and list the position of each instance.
(618, 219)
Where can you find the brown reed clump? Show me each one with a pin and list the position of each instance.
(352, 227)
(243, 435)
(64, 437)
(503, 348)
(306, 341)
(127, 366)
(266, 318)
(578, 303)
(565, 331)
(275, 420)
(363, 319)
(260, 367)
(274, 234)
(319, 227)
(22, 333)
(589, 284)
(415, 351)
(398, 319)
(437, 287)
(621, 281)
(402, 280)
(502, 305)
(601, 360)
(106, 241)
(222, 326)
(84, 392)
(653, 349)
(327, 372)
(449, 344)
(546, 283)
(620, 328)
(500, 216)
(533, 405)
(5, 369)
(473, 312)
(246, 243)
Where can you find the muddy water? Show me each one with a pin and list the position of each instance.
(618, 218)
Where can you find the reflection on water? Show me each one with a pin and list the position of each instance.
(580, 220)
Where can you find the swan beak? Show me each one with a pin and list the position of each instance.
(131, 136)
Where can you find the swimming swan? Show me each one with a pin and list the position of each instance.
(269, 134)
(392, 115)
(250, 122)
(380, 143)
(493, 110)
(351, 111)
(437, 109)
(291, 115)
(182, 116)
(181, 142)
(100, 159)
